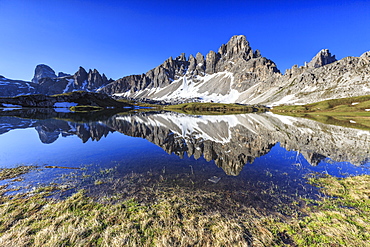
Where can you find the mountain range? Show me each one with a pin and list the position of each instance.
(234, 74)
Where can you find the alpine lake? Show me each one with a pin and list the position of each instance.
(161, 178)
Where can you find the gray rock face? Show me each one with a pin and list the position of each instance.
(322, 58)
(62, 74)
(248, 67)
(80, 77)
(81, 81)
(43, 71)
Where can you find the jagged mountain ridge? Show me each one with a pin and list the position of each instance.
(234, 74)
(45, 81)
(86, 81)
(237, 74)
(223, 75)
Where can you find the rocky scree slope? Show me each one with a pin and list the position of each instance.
(220, 76)
(237, 74)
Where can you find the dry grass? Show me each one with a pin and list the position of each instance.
(176, 219)
(184, 216)
(9, 173)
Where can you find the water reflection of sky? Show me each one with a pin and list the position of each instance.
(130, 154)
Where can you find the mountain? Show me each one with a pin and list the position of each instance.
(238, 74)
(9, 87)
(45, 81)
(221, 76)
(234, 74)
(80, 81)
(316, 81)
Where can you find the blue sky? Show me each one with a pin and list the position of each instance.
(120, 38)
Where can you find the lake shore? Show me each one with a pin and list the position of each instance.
(181, 216)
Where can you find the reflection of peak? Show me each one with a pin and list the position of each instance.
(49, 130)
(313, 158)
(234, 140)
(219, 138)
(231, 140)
(46, 135)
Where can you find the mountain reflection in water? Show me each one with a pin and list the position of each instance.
(231, 141)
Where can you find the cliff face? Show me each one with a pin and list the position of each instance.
(237, 73)
(316, 81)
(217, 76)
(64, 83)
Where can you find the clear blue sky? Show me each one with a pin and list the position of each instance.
(120, 38)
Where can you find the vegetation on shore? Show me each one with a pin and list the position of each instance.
(360, 104)
(351, 112)
(182, 216)
(201, 108)
(9, 173)
(85, 108)
(340, 218)
(214, 108)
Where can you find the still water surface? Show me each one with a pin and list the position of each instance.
(256, 157)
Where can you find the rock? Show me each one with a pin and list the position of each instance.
(322, 58)
(62, 74)
(211, 60)
(80, 77)
(10, 87)
(43, 71)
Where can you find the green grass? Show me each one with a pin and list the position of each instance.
(67, 94)
(141, 104)
(85, 108)
(340, 218)
(352, 104)
(212, 108)
(177, 218)
(341, 112)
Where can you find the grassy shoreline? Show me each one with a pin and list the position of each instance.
(181, 216)
(351, 112)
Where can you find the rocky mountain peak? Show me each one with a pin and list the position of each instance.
(181, 58)
(237, 47)
(43, 71)
(80, 76)
(366, 55)
(322, 58)
(62, 74)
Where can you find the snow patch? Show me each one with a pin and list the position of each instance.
(70, 81)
